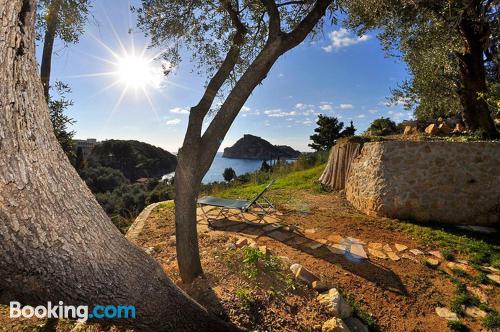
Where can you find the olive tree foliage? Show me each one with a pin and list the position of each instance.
(450, 48)
(234, 43)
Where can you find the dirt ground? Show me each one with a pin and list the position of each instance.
(399, 295)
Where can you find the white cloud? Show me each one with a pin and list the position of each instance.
(373, 111)
(343, 38)
(399, 116)
(302, 106)
(246, 109)
(179, 110)
(278, 113)
(346, 106)
(326, 107)
(361, 116)
(173, 122)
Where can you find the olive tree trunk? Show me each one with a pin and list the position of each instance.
(56, 242)
(476, 113)
(198, 150)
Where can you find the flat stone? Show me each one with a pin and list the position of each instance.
(355, 325)
(475, 312)
(478, 293)
(409, 257)
(310, 231)
(335, 238)
(436, 254)
(377, 253)
(280, 236)
(338, 249)
(334, 325)
(335, 303)
(320, 286)
(494, 277)
(490, 269)
(354, 240)
(357, 251)
(323, 241)
(264, 250)
(416, 252)
(241, 242)
(432, 261)
(393, 256)
(306, 275)
(446, 313)
(387, 248)
(294, 268)
(314, 245)
(375, 245)
(400, 247)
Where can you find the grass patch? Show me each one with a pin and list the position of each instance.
(448, 255)
(244, 295)
(363, 316)
(477, 251)
(492, 320)
(459, 272)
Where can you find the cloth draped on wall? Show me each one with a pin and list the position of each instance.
(339, 163)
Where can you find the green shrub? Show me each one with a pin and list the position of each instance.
(457, 326)
(492, 320)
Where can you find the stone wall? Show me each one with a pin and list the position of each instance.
(448, 182)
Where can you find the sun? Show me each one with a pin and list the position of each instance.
(137, 71)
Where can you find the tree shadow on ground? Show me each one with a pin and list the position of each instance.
(376, 273)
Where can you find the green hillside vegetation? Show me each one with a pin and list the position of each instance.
(133, 158)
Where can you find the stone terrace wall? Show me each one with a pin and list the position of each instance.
(448, 182)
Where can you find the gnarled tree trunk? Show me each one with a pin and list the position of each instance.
(476, 112)
(56, 242)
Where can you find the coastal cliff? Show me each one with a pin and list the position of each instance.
(254, 147)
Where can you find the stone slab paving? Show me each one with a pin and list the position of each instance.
(377, 253)
(357, 251)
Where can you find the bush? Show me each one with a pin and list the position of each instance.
(382, 127)
(229, 174)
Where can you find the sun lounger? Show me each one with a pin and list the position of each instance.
(260, 202)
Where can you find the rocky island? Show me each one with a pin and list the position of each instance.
(254, 147)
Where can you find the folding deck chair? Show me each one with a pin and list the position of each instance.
(243, 206)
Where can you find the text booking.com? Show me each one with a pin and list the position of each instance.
(80, 313)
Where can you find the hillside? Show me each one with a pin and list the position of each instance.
(133, 158)
(254, 147)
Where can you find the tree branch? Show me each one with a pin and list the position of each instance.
(274, 18)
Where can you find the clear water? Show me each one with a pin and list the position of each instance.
(240, 166)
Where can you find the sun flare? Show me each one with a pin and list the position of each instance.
(136, 71)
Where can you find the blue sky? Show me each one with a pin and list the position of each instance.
(338, 74)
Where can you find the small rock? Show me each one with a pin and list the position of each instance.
(264, 250)
(358, 252)
(432, 262)
(323, 241)
(314, 245)
(253, 245)
(444, 129)
(285, 261)
(338, 249)
(355, 325)
(446, 313)
(310, 231)
(478, 293)
(393, 256)
(241, 242)
(375, 245)
(335, 238)
(432, 129)
(410, 257)
(294, 268)
(436, 254)
(475, 312)
(320, 286)
(377, 253)
(335, 303)
(491, 269)
(306, 275)
(387, 248)
(334, 325)
(416, 252)
(150, 250)
(409, 130)
(400, 247)
(459, 128)
(494, 277)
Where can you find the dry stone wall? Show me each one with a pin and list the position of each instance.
(448, 182)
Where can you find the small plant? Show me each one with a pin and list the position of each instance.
(481, 278)
(459, 272)
(365, 317)
(251, 261)
(448, 255)
(244, 295)
(492, 320)
(457, 326)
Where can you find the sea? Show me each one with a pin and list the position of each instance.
(240, 166)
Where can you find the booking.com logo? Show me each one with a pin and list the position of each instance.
(80, 313)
